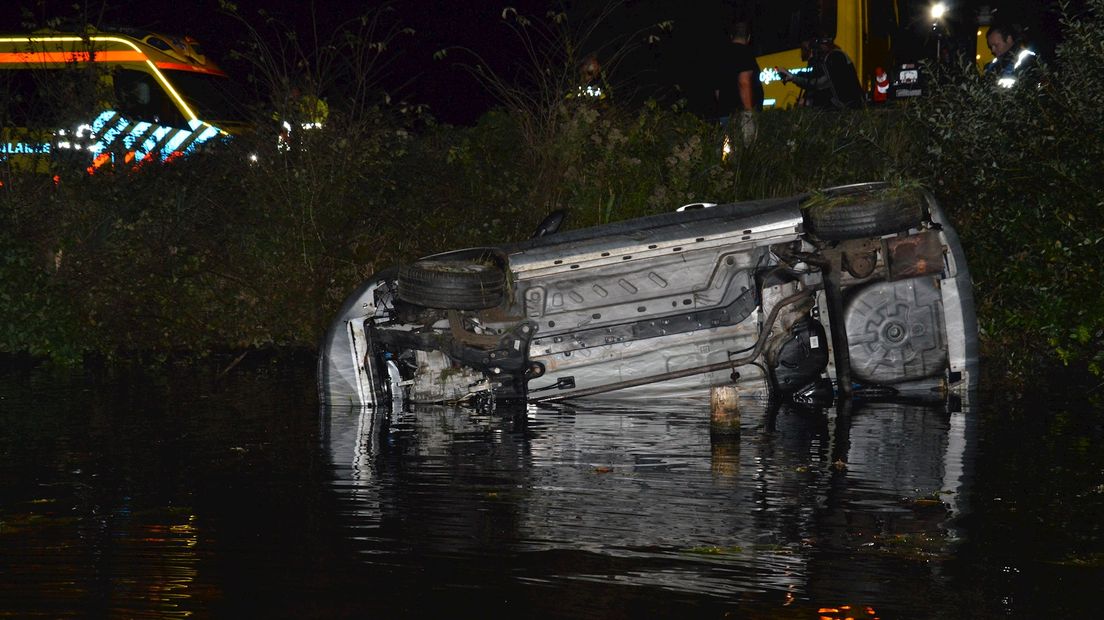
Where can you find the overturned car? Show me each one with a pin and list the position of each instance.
(855, 287)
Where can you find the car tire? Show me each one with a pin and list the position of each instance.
(860, 215)
(452, 284)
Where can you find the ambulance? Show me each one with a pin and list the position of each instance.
(109, 99)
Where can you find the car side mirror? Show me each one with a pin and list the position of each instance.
(550, 224)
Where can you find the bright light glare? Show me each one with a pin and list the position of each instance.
(938, 10)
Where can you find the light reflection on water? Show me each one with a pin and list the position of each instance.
(648, 497)
(148, 497)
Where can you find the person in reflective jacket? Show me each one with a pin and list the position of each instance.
(830, 81)
(1011, 59)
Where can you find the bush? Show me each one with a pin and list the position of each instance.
(254, 244)
(1019, 171)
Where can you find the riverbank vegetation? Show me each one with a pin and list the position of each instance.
(255, 243)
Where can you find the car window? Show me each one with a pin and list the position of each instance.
(140, 97)
(212, 97)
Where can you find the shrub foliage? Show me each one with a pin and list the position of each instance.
(255, 244)
(1019, 170)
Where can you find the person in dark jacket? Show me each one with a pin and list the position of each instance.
(830, 81)
(741, 94)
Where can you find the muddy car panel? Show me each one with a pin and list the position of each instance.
(743, 294)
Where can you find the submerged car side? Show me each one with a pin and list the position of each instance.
(862, 285)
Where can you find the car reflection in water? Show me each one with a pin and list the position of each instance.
(816, 505)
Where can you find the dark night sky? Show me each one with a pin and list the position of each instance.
(452, 94)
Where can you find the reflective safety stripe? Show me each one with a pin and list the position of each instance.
(136, 134)
(1021, 57)
(177, 142)
(117, 126)
(26, 58)
(137, 137)
(143, 139)
(111, 135)
(180, 66)
(102, 120)
(153, 141)
(100, 160)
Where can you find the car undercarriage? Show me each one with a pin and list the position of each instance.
(861, 287)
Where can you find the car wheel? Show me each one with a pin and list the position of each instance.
(895, 331)
(859, 215)
(453, 284)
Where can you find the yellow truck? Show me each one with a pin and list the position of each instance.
(109, 98)
(869, 31)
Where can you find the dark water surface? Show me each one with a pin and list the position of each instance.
(154, 497)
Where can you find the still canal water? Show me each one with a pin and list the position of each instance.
(191, 496)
